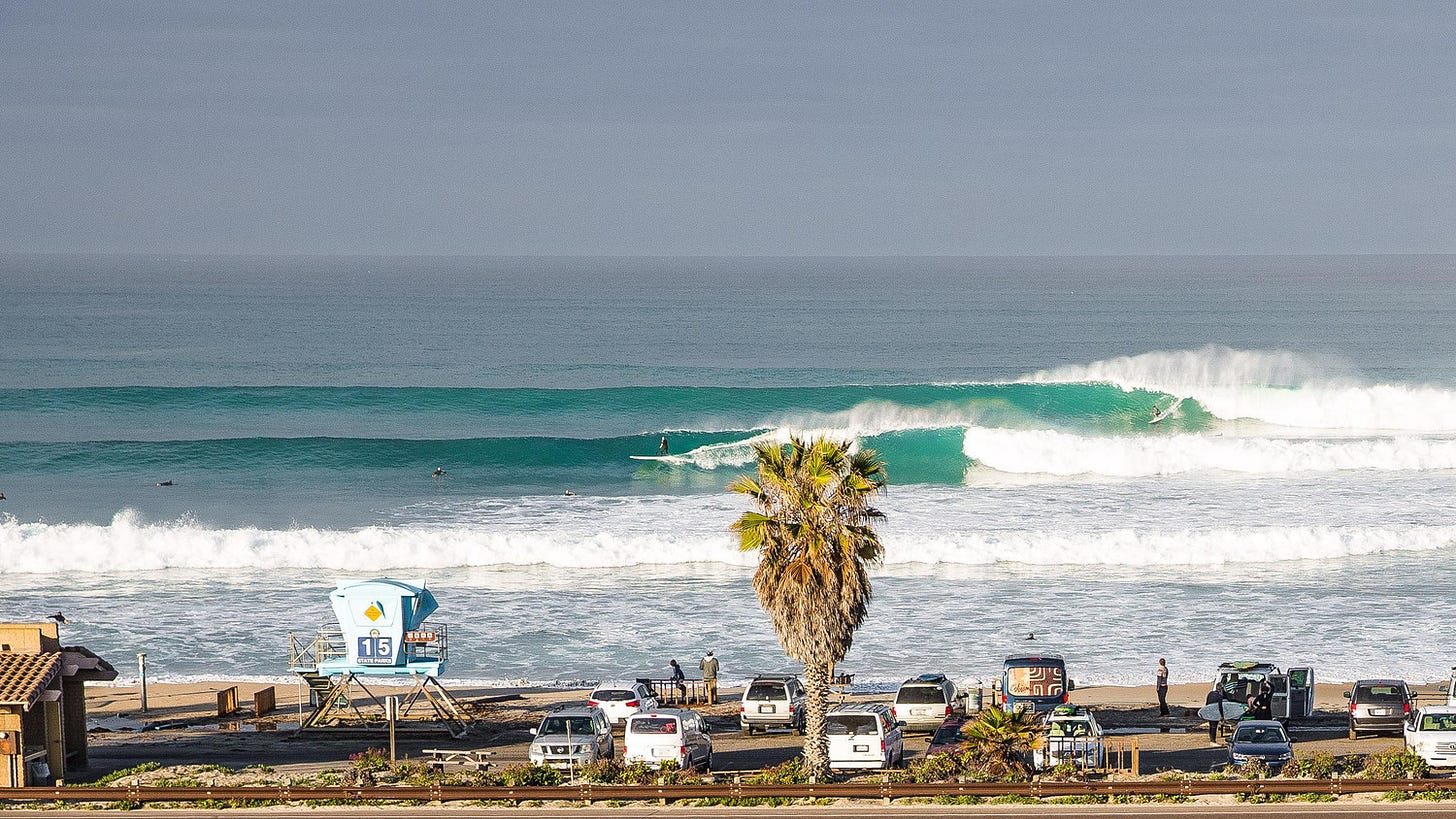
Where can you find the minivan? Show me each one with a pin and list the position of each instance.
(863, 735)
(772, 700)
(675, 735)
(1378, 705)
(923, 702)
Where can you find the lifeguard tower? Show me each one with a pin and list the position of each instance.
(381, 635)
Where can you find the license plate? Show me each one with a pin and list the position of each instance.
(1380, 712)
(861, 749)
(661, 752)
(766, 709)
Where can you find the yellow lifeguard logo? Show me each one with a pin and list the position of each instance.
(374, 612)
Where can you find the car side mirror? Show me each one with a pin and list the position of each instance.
(533, 732)
(1346, 695)
(901, 724)
(1071, 685)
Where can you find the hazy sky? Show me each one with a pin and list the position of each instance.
(728, 128)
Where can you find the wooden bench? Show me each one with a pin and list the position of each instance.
(440, 757)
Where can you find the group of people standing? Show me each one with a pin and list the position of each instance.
(708, 665)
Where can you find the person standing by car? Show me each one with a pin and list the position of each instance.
(1263, 705)
(1162, 686)
(709, 666)
(1215, 697)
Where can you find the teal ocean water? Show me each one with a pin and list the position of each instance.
(299, 406)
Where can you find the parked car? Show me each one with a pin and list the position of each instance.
(1378, 705)
(572, 736)
(1072, 736)
(923, 702)
(948, 739)
(772, 700)
(1035, 682)
(864, 735)
(674, 735)
(1262, 739)
(619, 700)
(1431, 733)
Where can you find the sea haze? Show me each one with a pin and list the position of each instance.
(299, 406)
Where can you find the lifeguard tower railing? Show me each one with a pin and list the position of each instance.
(324, 651)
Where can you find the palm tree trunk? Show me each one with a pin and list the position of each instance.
(816, 734)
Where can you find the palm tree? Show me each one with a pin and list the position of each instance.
(1000, 742)
(812, 526)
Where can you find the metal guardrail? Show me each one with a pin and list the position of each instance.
(852, 790)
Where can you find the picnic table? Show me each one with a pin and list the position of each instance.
(440, 757)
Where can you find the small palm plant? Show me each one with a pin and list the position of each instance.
(1002, 742)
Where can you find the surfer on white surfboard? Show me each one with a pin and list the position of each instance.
(1160, 413)
(662, 446)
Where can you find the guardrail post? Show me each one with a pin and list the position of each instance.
(885, 789)
(1137, 767)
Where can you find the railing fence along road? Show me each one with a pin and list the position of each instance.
(728, 791)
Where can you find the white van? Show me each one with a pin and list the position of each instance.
(670, 735)
(864, 736)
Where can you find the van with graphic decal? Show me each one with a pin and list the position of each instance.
(1034, 682)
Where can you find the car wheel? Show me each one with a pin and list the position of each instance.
(708, 763)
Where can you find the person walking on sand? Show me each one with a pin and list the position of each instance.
(709, 665)
(1162, 686)
(679, 680)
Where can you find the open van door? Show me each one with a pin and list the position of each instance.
(1279, 696)
(1301, 692)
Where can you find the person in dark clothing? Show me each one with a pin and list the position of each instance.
(662, 446)
(678, 679)
(1162, 686)
(1215, 697)
(1263, 703)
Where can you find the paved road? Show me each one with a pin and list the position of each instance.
(1324, 811)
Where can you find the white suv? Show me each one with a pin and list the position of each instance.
(1073, 737)
(619, 700)
(923, 702)
(772, 700)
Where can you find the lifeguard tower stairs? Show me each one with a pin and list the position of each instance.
(381, 636)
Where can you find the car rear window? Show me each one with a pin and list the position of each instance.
(1380, 693)
(767, 691)
(613, 695)
(1069, 728)
(850, 724)
(653, 725)
(920, 694)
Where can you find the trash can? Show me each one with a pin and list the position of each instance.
(973, 701)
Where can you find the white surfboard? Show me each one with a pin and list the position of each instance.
(1225, 711)
(651, 457)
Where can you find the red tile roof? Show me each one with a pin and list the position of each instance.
(24, 676)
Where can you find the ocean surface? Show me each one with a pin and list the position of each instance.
(1298, 506)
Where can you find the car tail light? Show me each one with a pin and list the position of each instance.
(592, 703)
(633, 703)
(882, 747)
(1352, 705)
(947, 710)
(742, 709)
(1065, 697)
(791, 708)
(682, 750)
(1407, 709)
(893, 713)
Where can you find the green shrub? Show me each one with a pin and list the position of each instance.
(145, 767)
(787, 773)
(1395, 762)
(370, 759)
(1310, 766)
(526, 776)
